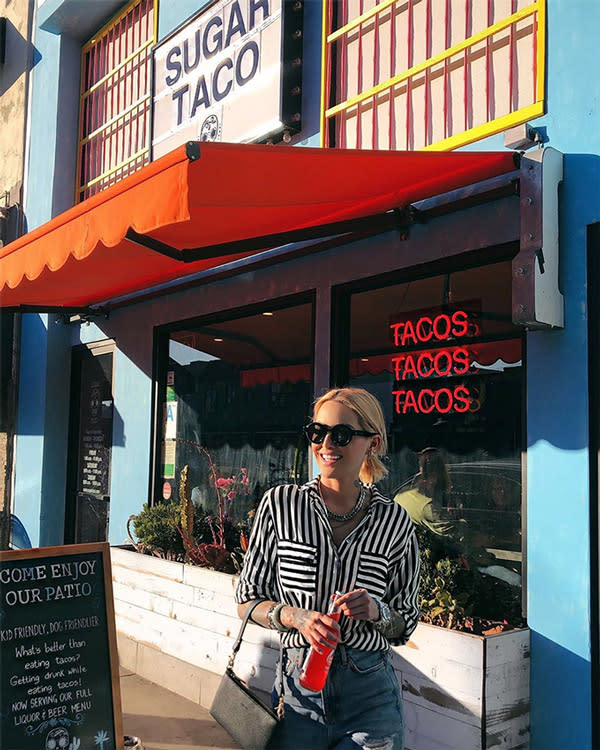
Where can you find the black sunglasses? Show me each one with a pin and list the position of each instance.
(341, 434)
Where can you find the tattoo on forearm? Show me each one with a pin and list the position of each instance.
(396, 626)
(296, 618)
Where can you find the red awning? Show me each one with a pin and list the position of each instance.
(205, 204)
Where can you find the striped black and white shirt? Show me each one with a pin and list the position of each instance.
(292, 558)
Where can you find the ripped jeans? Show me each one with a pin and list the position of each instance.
(360, 707)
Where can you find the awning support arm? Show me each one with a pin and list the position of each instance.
(397, 219)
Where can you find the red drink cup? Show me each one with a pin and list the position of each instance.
(316, 667)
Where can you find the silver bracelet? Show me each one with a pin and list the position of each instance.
(276, 618)
(269, 617)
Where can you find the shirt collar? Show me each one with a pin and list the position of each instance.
(313, 489)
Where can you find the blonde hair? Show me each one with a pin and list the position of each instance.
(370, 418)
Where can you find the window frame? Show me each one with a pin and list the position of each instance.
(340, 355)
(160, 359)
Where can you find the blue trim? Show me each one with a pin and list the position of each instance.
(79, 19)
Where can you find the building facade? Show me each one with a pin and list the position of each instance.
(459, 287)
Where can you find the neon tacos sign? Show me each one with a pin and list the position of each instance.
(432, 363)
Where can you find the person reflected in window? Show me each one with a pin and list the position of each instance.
(337, 533)
(426, 502)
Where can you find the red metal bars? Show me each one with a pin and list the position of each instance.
(360, 78)
(491, 57)
(392, 120)
(114, 123)
(488, 49)
(447, 42)
(374, 128)
(410, 48)
(427, 82)
(465, 64)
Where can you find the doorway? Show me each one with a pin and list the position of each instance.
(90, 444)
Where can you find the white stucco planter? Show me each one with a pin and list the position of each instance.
(176, 625)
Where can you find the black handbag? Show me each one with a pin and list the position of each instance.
(247, 718)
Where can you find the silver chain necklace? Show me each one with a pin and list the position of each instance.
(351, 513)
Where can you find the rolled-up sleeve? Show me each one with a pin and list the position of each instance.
(403, 592)
(257, 579)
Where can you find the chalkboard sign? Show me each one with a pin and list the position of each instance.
(59, 676)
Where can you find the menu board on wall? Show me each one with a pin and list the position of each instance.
(95, 431)
(94, 448)
(59, 677)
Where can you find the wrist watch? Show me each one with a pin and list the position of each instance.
(385, 615)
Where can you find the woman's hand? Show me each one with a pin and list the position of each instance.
(320, 630)
(358, 605)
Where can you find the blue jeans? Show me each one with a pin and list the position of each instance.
(360, 706)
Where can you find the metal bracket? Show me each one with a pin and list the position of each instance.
(537, 301)
(83, 317)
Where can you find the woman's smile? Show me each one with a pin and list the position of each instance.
(329, 458)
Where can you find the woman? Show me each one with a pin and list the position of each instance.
(337, 533)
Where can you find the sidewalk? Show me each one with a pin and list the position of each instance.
(165, 721)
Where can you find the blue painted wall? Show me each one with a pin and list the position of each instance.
(558, 549)
(45, 354)
(557, 399)
(31, 424)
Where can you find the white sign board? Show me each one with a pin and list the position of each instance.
(219, 78)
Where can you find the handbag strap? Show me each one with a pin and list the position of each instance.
(238, 643)
(238, 640)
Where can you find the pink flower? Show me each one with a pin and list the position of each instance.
(230, 496)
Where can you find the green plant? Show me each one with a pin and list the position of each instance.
(156, 531)
(213, 554)
(155, 528)
(183, 531)
(447, 604)
(455, 594)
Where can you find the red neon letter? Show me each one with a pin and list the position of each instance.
(445, 332)
(447, 368)
(460, 320)
(424, 335)
(397, 364)
(396, 328)
(426, 405)
(398, 403)
(448, 393)
(409, 367)
(424, 373)
(408, 334)
(461, 394)
(410, 402)
(461, 360)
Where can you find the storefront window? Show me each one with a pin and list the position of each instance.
(445, 360)
(236, 393)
